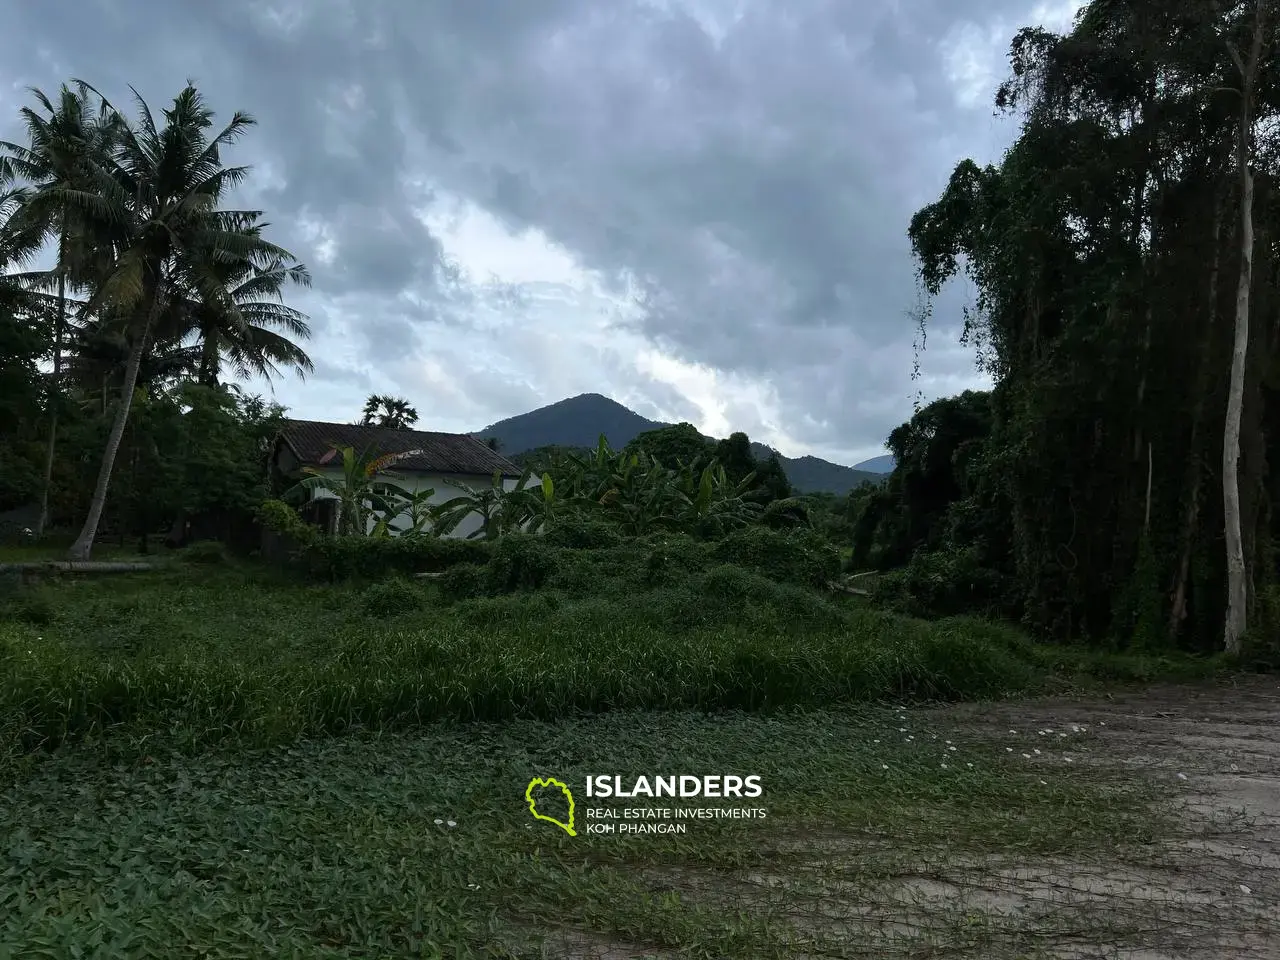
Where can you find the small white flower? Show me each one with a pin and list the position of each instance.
(451, 823)
(1036, 752)
(946, 741)
(875, 741)
(969, 765)
(1182, 776)
(473, 886)
(1234, 768)
(1027, 755)
(910, 738)
(1068, 759)
(1043, 783)
(438, 821)
(884, 766)
(944, 766)
(902, 729)
(1244, 889)
(952, 749)
(1102, 723)
(1008, 749)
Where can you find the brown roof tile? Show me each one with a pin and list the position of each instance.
(457, 453)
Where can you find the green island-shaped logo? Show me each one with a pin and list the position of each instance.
(533, 802)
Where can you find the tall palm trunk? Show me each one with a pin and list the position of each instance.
(83, 545)
(55, 385)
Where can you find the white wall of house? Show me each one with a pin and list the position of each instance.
(445, 487)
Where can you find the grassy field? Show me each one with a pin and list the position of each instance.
(172, 776)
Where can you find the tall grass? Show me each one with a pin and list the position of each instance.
(201, 655)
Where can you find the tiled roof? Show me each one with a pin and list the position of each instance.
(312, 440)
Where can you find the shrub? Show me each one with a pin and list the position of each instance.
(465, 581)
(673, 559)
(582, 533)
(800, 556)
(390, 597)
(521, 562)
(728, 582)
(280, 518)
(943, 583)
(788, 514)
(373, 558)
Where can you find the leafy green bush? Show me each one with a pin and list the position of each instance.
(465, 581)
(788, 514)
(729, 582)
(800, 556)
(373, 558)
(390, 597)
(521, 562)
(673, 559)
(280, 518)
(943, 583)
(583, 533)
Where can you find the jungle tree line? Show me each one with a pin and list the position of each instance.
(155, 282)
(1126, 253)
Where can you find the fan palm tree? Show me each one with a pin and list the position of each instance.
(153, 206)
(63, 142)
(388, 411)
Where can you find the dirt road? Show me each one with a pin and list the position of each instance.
(1213, 891)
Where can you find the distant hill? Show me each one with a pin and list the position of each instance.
(882, 464)
(579, 421)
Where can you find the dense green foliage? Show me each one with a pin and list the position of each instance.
(155, 286)
(1085, 494)
(217, 651)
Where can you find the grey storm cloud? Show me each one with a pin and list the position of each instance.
(751, 179)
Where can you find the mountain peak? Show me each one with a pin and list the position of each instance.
(579, 421)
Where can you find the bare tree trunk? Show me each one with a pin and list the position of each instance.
(1237, 583)
(55, 385)
(83, 545)
(1237, 573)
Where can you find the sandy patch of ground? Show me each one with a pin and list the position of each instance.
(1210, 891)
(1213, 891)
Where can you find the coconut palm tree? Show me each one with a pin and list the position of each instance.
(154, 209)
(258, 337)
(64, 141)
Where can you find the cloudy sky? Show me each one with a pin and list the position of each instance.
(696, 207)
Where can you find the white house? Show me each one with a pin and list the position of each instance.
(443, 462)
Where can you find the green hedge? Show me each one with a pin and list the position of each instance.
(365, 558)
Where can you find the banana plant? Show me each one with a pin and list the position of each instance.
(712, 503)
(362, 492)
(499, 509)
(538, 505)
